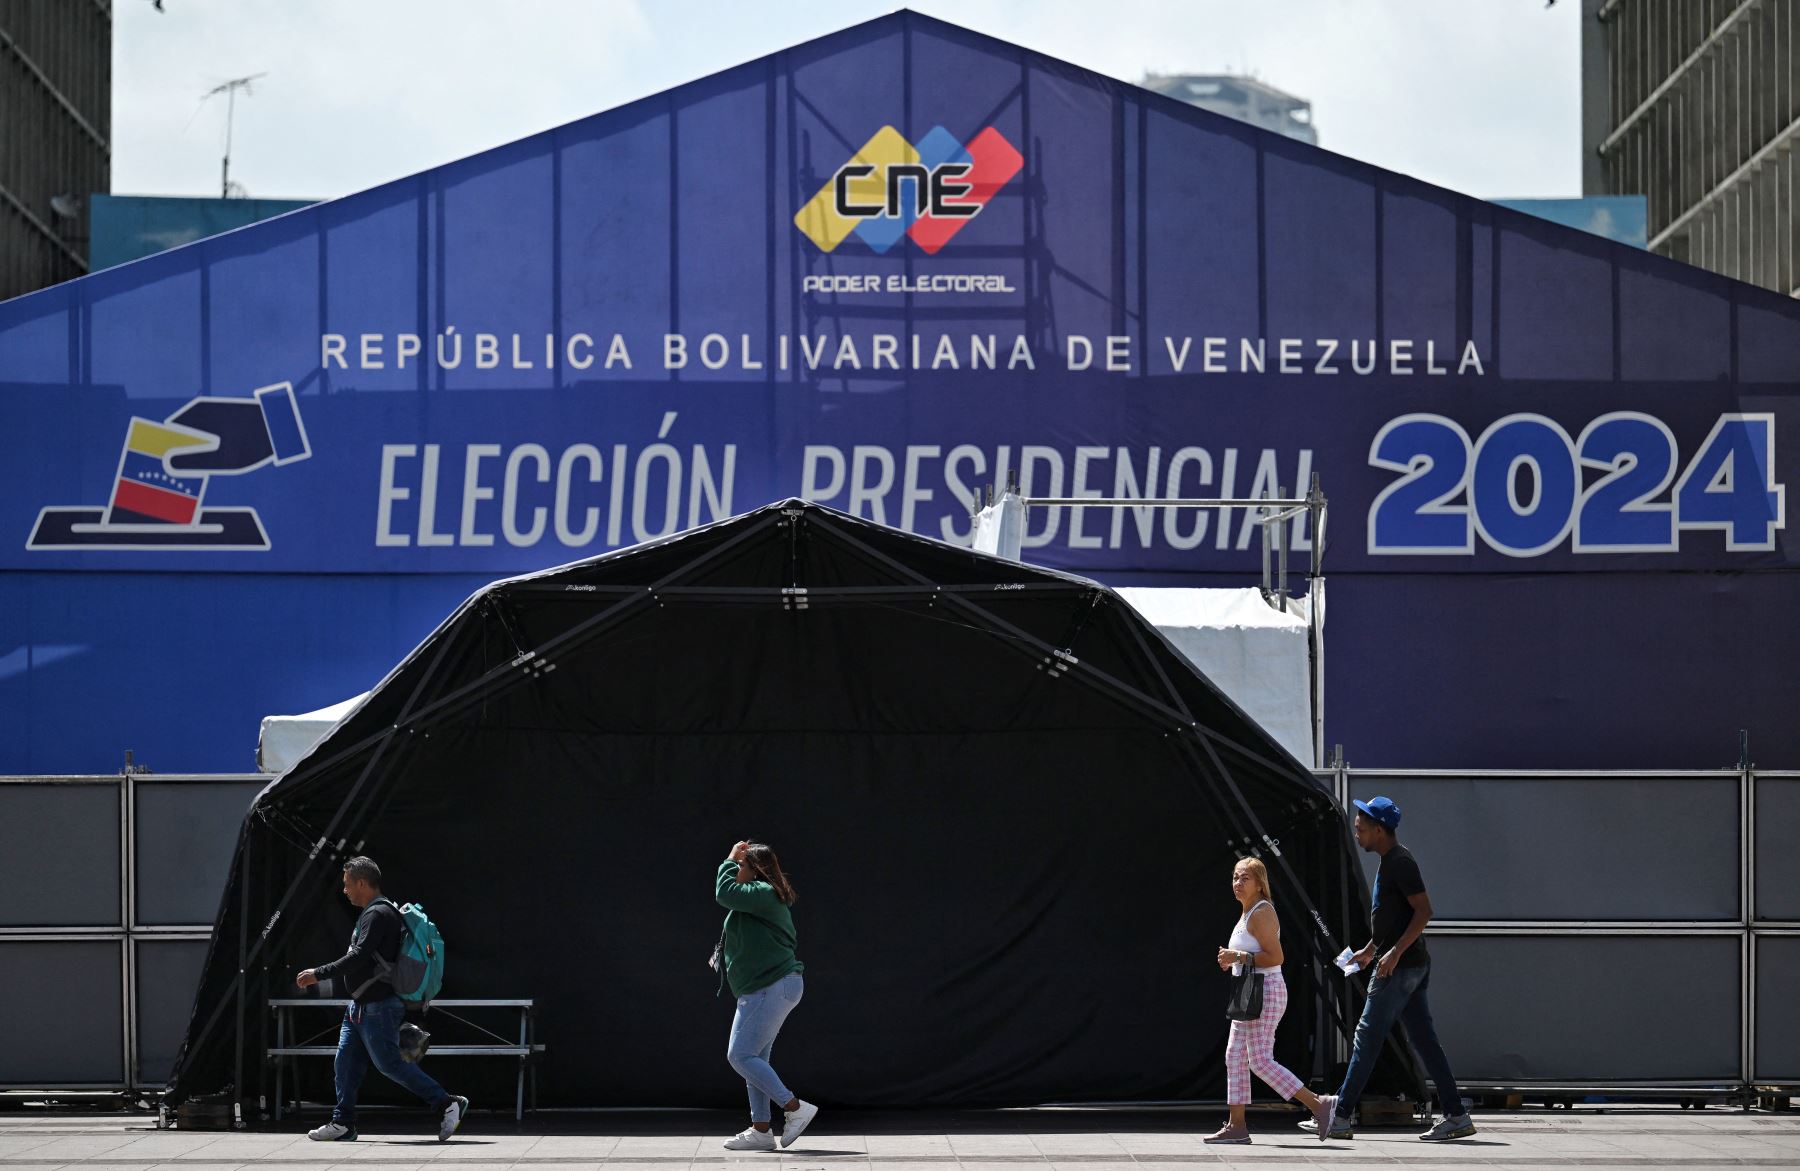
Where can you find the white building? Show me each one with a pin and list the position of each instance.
(1243, 98)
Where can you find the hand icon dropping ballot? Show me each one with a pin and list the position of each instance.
(245, 433)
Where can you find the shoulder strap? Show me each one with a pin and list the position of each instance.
(405, 927)
(384, 969)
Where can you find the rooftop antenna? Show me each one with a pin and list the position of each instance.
(230, 90)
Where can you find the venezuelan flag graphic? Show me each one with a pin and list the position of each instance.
(144, 492)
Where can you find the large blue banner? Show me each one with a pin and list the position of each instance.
(887, 269)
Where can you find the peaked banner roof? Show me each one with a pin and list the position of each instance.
(881, 270)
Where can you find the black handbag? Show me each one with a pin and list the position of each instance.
(1245, 1001)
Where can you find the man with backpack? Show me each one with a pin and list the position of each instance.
(371, 1029)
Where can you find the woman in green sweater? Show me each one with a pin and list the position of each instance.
(764, 973)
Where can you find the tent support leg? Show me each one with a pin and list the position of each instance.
(1324, 936)
(1242, 830)
(300, 876)
(1250, 833)
(243, 951)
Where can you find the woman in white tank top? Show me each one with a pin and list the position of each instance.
(1256, 940)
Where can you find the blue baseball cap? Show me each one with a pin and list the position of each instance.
(1382, 811)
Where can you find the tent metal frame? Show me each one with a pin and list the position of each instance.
(1201, 746)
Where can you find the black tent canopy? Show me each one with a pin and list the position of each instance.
(1009, 806)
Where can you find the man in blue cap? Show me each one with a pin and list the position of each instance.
(1399, 912)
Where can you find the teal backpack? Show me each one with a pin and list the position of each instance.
(418, 975)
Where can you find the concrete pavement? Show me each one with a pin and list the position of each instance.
(1013, 1140)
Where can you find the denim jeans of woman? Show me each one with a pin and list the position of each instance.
(759, 1017)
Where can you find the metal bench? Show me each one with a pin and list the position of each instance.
(523, 1050)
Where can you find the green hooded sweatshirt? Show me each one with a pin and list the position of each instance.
(759, 933)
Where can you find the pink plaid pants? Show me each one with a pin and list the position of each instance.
(1252, 1048)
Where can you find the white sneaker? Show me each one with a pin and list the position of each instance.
(1325, 1118)
(453, 1116)
(1461, 1126)
(332, 1132)
(798, 1119)
(751, 1140)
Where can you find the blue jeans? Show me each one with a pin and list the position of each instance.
(1398, 997)
(759, 1017)
(371, 1033)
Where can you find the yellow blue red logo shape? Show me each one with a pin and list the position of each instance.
(891, 189)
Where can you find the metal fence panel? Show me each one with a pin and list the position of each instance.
(185, 832)
(1593, 848)
(1777, 1010)
(60, 854)
(62, 1015)
(1587, 1008)
(166, 973)
(1777, 861)
(1522, 991)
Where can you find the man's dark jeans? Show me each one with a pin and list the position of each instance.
(371, 1033)
(1398, 997)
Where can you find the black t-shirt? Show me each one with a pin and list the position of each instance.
(1396, 880)
(378, 932)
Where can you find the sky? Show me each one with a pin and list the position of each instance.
(1481, 96)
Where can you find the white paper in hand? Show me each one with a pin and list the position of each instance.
(1346, 963)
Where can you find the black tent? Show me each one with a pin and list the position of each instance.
(1009, 805)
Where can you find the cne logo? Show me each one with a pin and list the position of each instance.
(890, 189)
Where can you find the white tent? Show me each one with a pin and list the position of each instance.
(1251, 651)
(285, 739)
